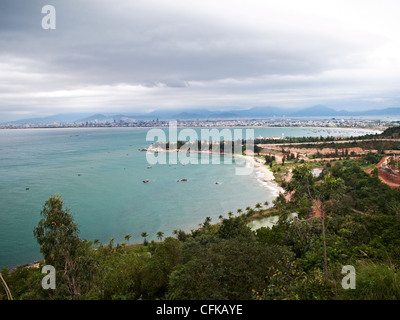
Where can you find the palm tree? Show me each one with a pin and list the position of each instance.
(230, 214)
(239, 211)
(248, 209)
(145, 235)
(111, 243)
(96, 242)
(258, 206)
(250, 212)
(266, 204)
(160, 235)
(207, 222)
(220, 217)
(128, 237)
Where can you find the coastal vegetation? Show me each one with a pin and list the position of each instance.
(344, 217)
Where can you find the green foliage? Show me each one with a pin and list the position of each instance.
(165, 259)
(229, 269)
(332, 188)
(287, 281)
(181, 235)
(24, 284)
(57, 235)
(371, 158)
(299, 236)
(272, 236)
(304, 207)
(393, 132)
(302, 180)
(368, 194)
(119, 275)
(234, 228)
(375, 281)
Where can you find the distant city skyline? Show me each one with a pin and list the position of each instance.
(145, 55)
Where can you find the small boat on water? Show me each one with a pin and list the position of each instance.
(146, 181)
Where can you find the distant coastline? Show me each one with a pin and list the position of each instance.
(374, 129)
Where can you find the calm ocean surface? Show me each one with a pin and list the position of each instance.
(99, 174)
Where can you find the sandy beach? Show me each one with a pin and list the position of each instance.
(263, 173)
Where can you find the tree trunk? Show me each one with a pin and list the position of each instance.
(8, 292)
(324, 241)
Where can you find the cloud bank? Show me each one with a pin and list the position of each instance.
(143, 55)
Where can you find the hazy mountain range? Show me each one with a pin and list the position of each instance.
(193, 114)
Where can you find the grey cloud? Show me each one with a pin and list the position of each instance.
(157, 45)
(101, 48)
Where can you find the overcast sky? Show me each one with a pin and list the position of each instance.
(135, 56)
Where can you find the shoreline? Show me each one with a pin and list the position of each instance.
(266, 175)
(367, 130)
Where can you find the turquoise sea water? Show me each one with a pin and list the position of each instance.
(99, 174)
